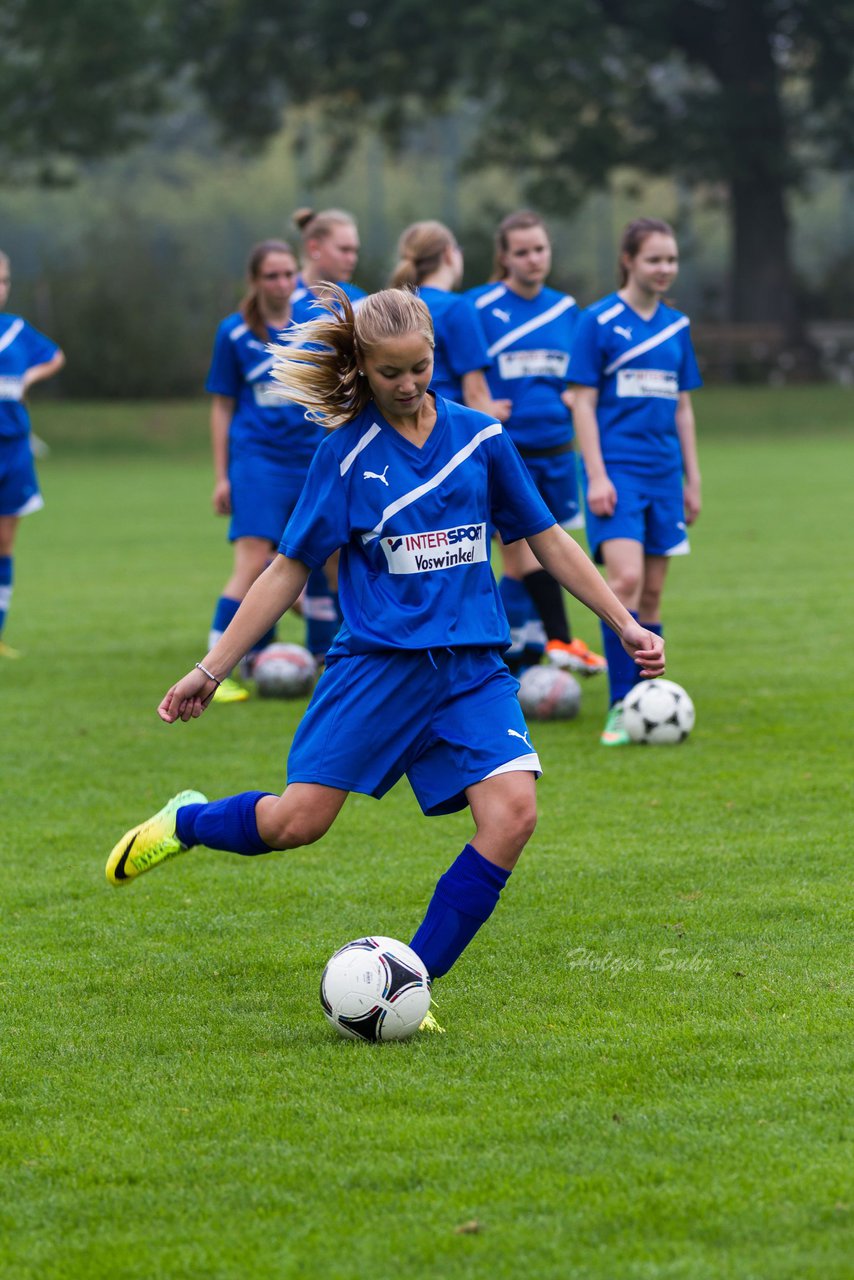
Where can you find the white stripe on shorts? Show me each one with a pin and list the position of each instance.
(522, 764)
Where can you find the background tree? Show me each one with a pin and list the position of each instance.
(749, 93)
(77, 81)
(753, 94)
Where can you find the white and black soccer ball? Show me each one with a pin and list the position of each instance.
(284, 671)
(658, 712)
(375, 989)
(548, 693)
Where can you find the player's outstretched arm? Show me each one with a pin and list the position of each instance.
(573, 569)
(271, 595)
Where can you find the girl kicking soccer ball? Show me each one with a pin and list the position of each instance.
(408, 486)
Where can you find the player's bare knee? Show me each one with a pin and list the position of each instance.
(292, 830)
(626, 584)
(511, 826)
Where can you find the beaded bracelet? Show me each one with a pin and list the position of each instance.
(209, 675)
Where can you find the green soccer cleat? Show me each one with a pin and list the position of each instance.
(151, 843)
(614, 734)
(230, 690)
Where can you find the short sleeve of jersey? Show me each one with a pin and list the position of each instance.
(318, 525)
(517, 509)
(464, 338)
(224, 377)
(585, 364)
(39, 348)
(689, 374)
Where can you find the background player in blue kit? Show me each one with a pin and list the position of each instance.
(262, 446)
(330, 253)
(26, 357)
(529, 330)
(431, 262)
(407, 486)
(634, 367)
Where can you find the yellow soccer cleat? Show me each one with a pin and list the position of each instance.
(6, 651)
(429, 1023)
(151, 843)
(230, 690)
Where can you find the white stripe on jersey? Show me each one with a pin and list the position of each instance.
(11, 334)
(655, 341)
(530, 325)
(264, 367)
(433, 483)
(238, 331)
(611, 313)
(363, 444)
(299, 294)
(493, 296)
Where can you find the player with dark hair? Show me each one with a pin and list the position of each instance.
(26, 357)
(261, 445)
(529, 330)
(407, 485)
(634, 369)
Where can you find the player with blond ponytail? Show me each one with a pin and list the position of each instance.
(408, 486)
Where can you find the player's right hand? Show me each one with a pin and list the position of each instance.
(187, 699)
(601, 496)
(221, 498)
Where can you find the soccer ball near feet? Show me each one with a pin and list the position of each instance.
(375, 989)
(658, 712)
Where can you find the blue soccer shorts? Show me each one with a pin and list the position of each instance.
(19, 486)
(556, 478)
(445, 718)
(648, 511)
(263, 496)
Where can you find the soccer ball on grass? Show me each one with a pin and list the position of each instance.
(658, 712)
(284, 671)
(375, 989)
(548, 693)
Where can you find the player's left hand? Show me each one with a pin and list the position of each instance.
(646, 648)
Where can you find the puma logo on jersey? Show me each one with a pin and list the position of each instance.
(502, 315)
(624, 333)
(372, 475)
(512, 733)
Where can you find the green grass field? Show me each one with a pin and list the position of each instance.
(646, 1071)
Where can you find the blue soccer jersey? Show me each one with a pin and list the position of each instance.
(639, 368)
(414, 525)
(529, 341)
(460, 342)
(304, 297)
(264, 424)
(21, 348)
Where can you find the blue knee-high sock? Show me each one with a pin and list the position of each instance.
(623, 673)
(223, 824)
(226, 608)
(322, 614)
(6, 576)
(527, 635)
(464, 898)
